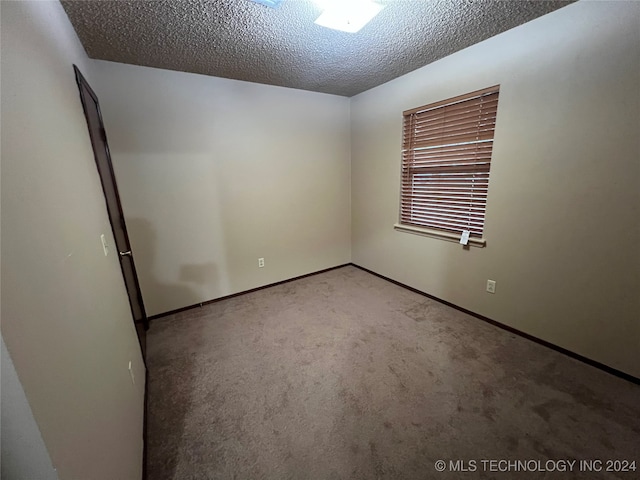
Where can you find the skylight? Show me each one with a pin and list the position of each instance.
(347, 15)
(269, 3)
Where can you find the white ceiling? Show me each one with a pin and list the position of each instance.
(244, 40)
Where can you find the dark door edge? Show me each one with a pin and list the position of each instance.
(81, 81)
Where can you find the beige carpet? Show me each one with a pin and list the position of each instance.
(343, 375)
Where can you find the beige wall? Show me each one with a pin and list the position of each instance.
(215, 173)
(65, 316)
(564, 200)
(22, 450)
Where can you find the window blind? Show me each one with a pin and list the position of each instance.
(446, 158)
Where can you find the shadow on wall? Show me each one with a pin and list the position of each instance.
(201, 275)
(159, 296)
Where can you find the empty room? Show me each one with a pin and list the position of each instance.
(316, 239)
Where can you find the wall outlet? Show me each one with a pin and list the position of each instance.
(133, 378)
(491, 286)
(105, 248)
(261, 262)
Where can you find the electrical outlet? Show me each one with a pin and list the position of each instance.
(491, 286)
(261, 262)
(133, 378)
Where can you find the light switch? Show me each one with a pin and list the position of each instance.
(133, 378)
(105, 248)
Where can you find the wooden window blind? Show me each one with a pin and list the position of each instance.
(446, 158)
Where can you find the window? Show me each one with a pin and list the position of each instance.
(446, 158)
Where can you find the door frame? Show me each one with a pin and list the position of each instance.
(82, 83)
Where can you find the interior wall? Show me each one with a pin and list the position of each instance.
(215, 173)
(66, 320)
(562, 217)
(23, 453)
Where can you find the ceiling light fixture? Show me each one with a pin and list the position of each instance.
(347, 15)
(269, 3)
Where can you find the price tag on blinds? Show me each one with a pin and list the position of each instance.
(464, 238)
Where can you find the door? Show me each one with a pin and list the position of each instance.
(114, 208)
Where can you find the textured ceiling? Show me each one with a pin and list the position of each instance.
(247, 41)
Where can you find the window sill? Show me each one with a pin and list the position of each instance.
(450, 237)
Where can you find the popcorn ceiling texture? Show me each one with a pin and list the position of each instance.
(244, 40)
